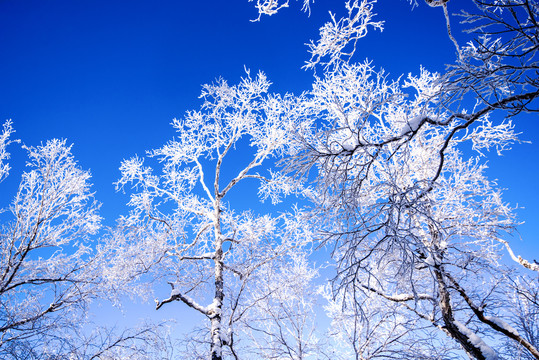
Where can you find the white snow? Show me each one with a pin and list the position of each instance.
(430, 260)
(401, 297)
(476, 341)
(408, 297)
(502, 324)
(225, 336)
(413, 124)
(348, 147)
(213, 308)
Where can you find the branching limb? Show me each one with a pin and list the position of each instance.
(400, 297)
(495, 323)
(176, 295)
(202, 182)
(519, 259)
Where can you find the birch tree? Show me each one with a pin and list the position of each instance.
(182, 230)
(50, 268)
(376, 152)
(391, 174)
(47, 273)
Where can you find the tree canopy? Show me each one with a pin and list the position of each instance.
(353, 216)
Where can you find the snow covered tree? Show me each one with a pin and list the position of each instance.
(391, 175)
(183, 231)
(49, 270)
(46, 271)
(377, 153)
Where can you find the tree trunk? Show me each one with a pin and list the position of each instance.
(215, 315)
(215, 311)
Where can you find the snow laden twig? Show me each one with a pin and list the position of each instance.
(338, 35)
(7, 131)
(272, 7)
(397, 298)
(528, 265)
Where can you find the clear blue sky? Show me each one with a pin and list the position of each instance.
(109, 76)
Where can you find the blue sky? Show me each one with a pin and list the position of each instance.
(109, 76)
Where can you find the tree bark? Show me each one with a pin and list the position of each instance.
(215, 311)
(473, 351)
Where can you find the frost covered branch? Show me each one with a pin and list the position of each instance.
(7, 131)
(271, 7)
(495, 323)
(176, 295)
(338, 35)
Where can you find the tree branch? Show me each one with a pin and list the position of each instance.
(495, 323)
(176, 295)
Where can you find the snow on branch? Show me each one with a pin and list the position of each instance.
(268, 7)
(398, 297)
(413, 124)
(488, 135)
(175, 295)
(476, 341)
(495, 323)
(519, 259)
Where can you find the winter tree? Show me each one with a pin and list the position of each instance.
(49, 271)
(436, 239)
(393, 178)
(182, 229)
(46, 271)
(392, 174)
